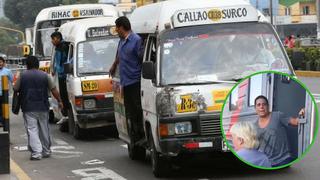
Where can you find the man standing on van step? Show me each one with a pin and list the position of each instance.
(60, 58)
(33, 86)
(129, 57)
(3, 72)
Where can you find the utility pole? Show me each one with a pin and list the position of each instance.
(318, 18)
(271, 11)
(15, 30)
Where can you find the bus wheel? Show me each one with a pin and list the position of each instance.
(160, 165)
(71, 122)
(78, 133)
(51, 117)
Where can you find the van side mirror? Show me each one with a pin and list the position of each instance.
(68, 68)
(148, 71)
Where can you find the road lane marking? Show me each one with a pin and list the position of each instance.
(61, 152)
(60, 142)
(124, 146)
(15, 168)
(21, 148)
(55, 150)
(97, 174)
(93, 162)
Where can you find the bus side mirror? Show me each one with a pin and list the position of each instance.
(68, 68)
(148, 70)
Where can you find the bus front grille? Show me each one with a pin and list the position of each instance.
(210, 125)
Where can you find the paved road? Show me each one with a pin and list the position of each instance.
(103, 156)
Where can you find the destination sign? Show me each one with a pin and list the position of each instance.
(75, 13)
(101, 31)
(214, 15)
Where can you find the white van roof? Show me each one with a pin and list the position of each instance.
(152, 17)
(75, 31)
(46, 14)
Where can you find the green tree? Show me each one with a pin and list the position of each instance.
(24, 12)
(8, 37)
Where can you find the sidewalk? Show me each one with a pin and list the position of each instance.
(8, 177)
(16, 173)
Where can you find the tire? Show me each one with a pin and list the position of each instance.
(64, 127)
(160, 165)
(78, 133)
(71, 122)
(136, 152)
(51, 117)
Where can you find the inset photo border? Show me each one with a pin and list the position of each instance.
(269, 120)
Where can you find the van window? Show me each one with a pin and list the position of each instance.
(209, 53)
(151, 50)
(97, 56)
(70, 54)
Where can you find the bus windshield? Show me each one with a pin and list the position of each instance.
(96, 57)
(222, 52)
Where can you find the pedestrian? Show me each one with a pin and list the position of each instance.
(33, 86)
(245, 142)
(286, 41)
(60, 58)
(129, 59)
(291, 42)
(3, 72)
(271, 132)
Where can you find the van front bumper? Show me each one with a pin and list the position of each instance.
(95, 118)
(175, 146)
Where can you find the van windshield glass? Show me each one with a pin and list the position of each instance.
(223, 52)
(96, 57)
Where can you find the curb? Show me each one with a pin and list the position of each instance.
(308, 73)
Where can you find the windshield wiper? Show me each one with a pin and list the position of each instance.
(93, 73)
(199, 83)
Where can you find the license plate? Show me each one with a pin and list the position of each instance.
(45, 69)
(186, 105)
(89, 86)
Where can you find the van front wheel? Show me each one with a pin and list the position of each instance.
(71, 122)
(160, 165)
(136, 152)
(78, 133)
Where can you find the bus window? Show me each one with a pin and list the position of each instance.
(255, 90)
(234, 99)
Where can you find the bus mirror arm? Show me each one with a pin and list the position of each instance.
(148, 70)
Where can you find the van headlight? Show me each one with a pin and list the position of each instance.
(165, 104)
(171, 129)
(89, 103)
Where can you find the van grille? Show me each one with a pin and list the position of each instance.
(210, 125)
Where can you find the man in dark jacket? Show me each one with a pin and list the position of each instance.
(33, 86)
(60, 58)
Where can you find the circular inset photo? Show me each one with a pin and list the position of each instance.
(269, 120)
